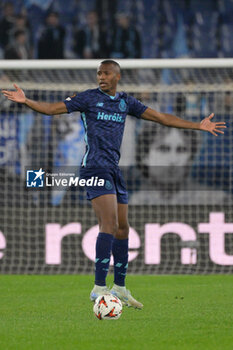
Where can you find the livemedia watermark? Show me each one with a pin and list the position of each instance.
(41, 179)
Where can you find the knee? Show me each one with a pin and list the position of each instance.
(123, 232)
(110, 226)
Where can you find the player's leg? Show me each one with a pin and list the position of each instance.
(120, 249)
(120, 245)
(105, 208)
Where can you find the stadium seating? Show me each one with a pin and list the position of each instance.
(163, 24)
(203, 6)
(226, 47)
(151, 26)
(225, 8)
(204, 35)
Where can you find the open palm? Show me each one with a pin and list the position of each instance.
(16, 96)
(207, 125)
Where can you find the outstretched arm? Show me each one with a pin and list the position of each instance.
(173, 121)
(41, 107)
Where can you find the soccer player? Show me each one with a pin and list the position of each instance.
(103, 111)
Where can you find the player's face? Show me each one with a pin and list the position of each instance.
(108, 77)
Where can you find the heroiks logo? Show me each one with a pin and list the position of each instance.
(116, 117)
(35, 178)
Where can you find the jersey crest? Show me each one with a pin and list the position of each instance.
(122, 105)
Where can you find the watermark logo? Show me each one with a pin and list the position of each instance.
(35, 178)
(42, 179)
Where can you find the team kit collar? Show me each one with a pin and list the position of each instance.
(116, 97)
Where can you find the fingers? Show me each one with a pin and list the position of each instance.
(214, 131)
(220, 125)
(7, 93)
(221, 132)
(16, 86)
(211, 116)
(11, 99)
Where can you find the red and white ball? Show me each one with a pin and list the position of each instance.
(107, 307)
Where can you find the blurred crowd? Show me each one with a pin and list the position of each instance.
(49, 40)
(49, 29)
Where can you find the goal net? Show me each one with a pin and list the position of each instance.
(179, 181)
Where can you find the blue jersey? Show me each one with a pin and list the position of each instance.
(103, 118)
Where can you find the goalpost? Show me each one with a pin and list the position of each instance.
(180, 182)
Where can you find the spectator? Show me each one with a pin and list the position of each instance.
(126, 41)
(18, 49)
(22, 24)
(106, 11)
(6, 24)
(91, 41)
(51, 41)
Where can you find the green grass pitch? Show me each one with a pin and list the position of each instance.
(54, 312)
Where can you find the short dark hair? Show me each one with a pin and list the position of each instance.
(108, 61)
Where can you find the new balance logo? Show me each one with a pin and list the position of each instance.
(35, 178)
(99, 104)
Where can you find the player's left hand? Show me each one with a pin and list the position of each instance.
(207, 125)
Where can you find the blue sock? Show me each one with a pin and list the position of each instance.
(103, 254)
(120, 249)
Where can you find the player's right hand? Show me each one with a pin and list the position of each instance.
(16, 96)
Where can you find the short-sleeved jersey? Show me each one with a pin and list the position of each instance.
(103, 118)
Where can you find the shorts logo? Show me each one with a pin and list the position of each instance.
(35, 178)
(108, 185)
(122, 105)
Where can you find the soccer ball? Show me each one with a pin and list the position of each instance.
(107, 307)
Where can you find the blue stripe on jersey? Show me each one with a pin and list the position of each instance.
(84, 162)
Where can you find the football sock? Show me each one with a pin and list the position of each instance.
(103, 254)
(120, 249)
